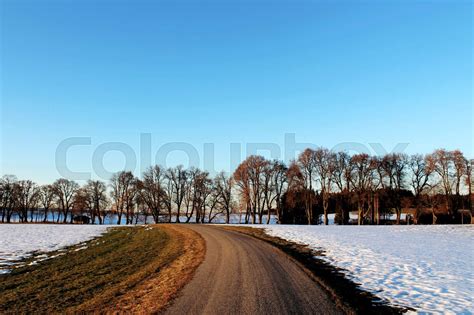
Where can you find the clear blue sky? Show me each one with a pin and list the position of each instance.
(230, 72)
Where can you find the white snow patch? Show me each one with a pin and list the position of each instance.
(428, 268)
(19, 241)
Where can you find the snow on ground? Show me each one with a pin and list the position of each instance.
(19, 241)
(428, 268)
(353, 217)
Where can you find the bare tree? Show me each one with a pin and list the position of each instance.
(306, 165)
(198, 190)
(469, 180)
(459, 164)
(210, 199)
(295, 187)
(168, 196)
(192, 191)
(123, 191)
(268, 189)
(247, 176)
(361, 177)
(395, 167)
(271, 183)
(207, 200)
(64, 189)
(177, 177)
(375, 184)
(440, 162)
(420, 177)
(83, 203)
(420, 173)
(8, 191)
(27, 199)
(279, 181)
(130, 199)
(242, 181)
(213, 202)
(432, 193)
(141, 206)
(46, 199)
(256, 166)
(325, 165)
(152, 190)
(223, 188)
(97, 194)
(381, 181)
(343, 179)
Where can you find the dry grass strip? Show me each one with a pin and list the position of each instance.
(155, 293)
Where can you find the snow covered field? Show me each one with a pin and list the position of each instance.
(18, 241)
(428, 268)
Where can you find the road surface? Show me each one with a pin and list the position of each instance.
(243, 275)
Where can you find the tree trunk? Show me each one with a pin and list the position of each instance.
(377, 209)
(325, 206)
(309, 208)
(177, 216)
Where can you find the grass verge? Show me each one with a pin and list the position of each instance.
(132, 269)
(347, 294)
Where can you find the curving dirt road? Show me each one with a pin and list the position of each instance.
(242, 275)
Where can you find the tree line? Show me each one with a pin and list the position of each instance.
(306, 191)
